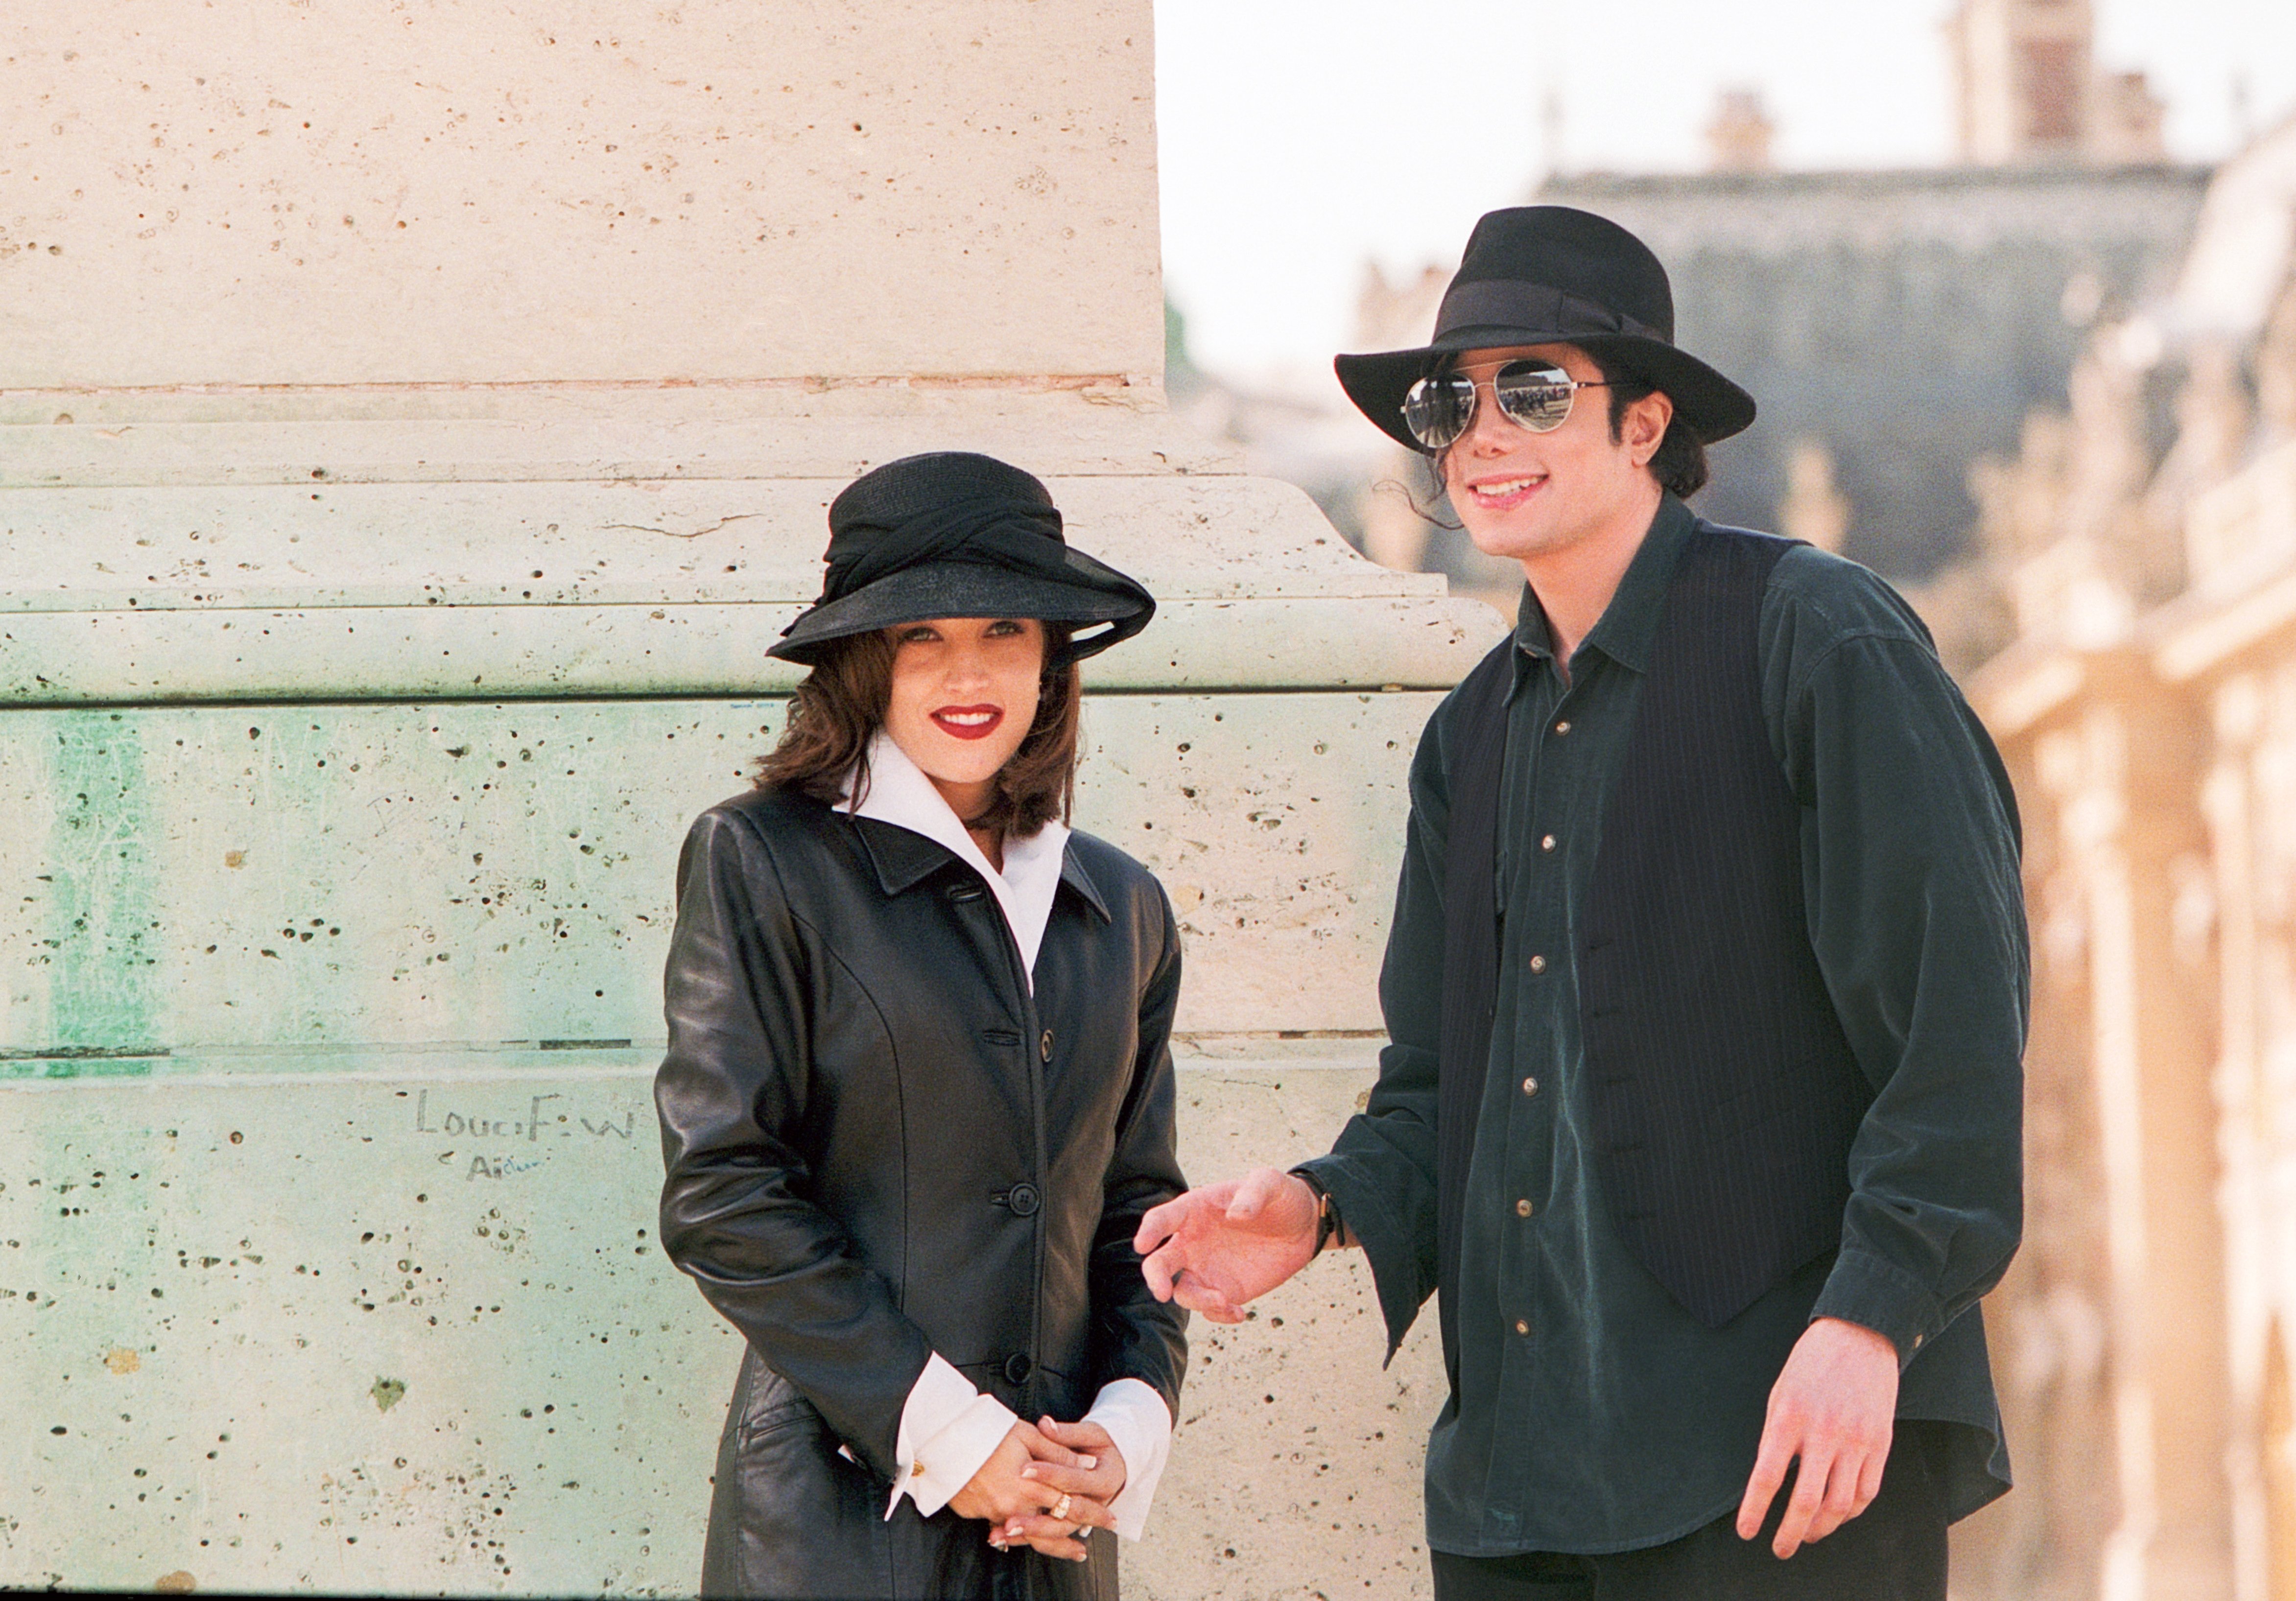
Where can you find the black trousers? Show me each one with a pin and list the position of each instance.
(1894, 1551)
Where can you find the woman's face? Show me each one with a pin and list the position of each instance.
(963, 697)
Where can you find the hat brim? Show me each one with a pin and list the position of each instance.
(963, 589)
(1713, 405)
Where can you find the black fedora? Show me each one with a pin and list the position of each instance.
(955, 534)
(1554, 275)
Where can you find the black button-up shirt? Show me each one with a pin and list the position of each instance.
(1594, 1413)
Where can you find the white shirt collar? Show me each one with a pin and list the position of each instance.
(900, 793)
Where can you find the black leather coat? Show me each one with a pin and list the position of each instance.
(880, 1144)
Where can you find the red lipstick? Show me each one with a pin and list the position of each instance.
(968, 722)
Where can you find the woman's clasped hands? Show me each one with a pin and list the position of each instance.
(1044, 1485)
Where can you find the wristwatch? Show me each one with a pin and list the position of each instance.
(1328, 1212)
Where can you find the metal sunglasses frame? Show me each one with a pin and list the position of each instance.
(1525, 390)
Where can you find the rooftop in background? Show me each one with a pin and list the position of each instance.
(1904, 323)
(1896, 326)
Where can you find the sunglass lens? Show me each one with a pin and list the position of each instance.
(1438, 410)
(1534, 394)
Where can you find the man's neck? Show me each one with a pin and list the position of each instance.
(1574, 583)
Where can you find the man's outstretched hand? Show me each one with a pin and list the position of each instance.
(1216, 1248)
(1832, 1409)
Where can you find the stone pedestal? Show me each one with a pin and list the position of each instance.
(414, 425)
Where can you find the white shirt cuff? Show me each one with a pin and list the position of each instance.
(1136, 1418)
(948, 1428)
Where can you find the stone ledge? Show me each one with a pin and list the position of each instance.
(597, 541)
(609, 432)
(512, 652)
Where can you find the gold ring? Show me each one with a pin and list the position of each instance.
(1060, 1510)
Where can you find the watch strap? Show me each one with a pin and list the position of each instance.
(1327, 1211)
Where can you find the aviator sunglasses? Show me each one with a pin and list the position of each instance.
(1535, 395)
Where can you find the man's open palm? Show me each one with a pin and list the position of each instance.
(1217, 1247)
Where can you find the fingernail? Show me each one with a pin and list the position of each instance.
(1088, 1463)
(1028, 1472)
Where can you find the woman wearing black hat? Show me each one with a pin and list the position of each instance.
(918, 1091)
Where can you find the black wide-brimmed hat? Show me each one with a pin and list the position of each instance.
(1548, 276)
(953, 534)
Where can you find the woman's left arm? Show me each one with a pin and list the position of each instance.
(1140, 1345)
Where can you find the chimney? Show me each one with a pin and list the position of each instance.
(2021, 79)
(2127, 127)
(1738, 138)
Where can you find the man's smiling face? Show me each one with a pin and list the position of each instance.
(1522, 495)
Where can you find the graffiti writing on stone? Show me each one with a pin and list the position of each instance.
(516, 1142)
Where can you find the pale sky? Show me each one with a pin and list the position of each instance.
(1296, 140)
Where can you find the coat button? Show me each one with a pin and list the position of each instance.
(1539, 963)
(1045, 1046)
(1018, 1367)
(1530, 1087)
(1022, 1199)
(1522, 1209)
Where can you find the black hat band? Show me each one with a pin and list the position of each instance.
(1510, 303)
(993, 529)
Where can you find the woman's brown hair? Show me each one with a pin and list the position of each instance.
(842, 702)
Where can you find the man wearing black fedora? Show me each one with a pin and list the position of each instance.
(1706, 992)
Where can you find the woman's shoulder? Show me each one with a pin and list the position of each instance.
(760, 806)
(1115, 873)
(773, 820)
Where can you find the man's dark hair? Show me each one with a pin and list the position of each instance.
(1680, 463)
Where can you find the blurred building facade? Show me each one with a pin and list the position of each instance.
(2147, 708)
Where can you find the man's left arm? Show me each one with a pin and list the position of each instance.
(1917, 914)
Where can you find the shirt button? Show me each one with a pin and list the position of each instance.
(1520, 1328)
(1045, 1046)
(1563, 726)
(1539, 963)
(1530, 1087)
(1522, 1209)
(1548, 843)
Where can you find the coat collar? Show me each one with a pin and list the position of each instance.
(903, 860)
(1075, 878)
(898, 793)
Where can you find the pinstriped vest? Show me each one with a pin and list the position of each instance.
(1725, 1094)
